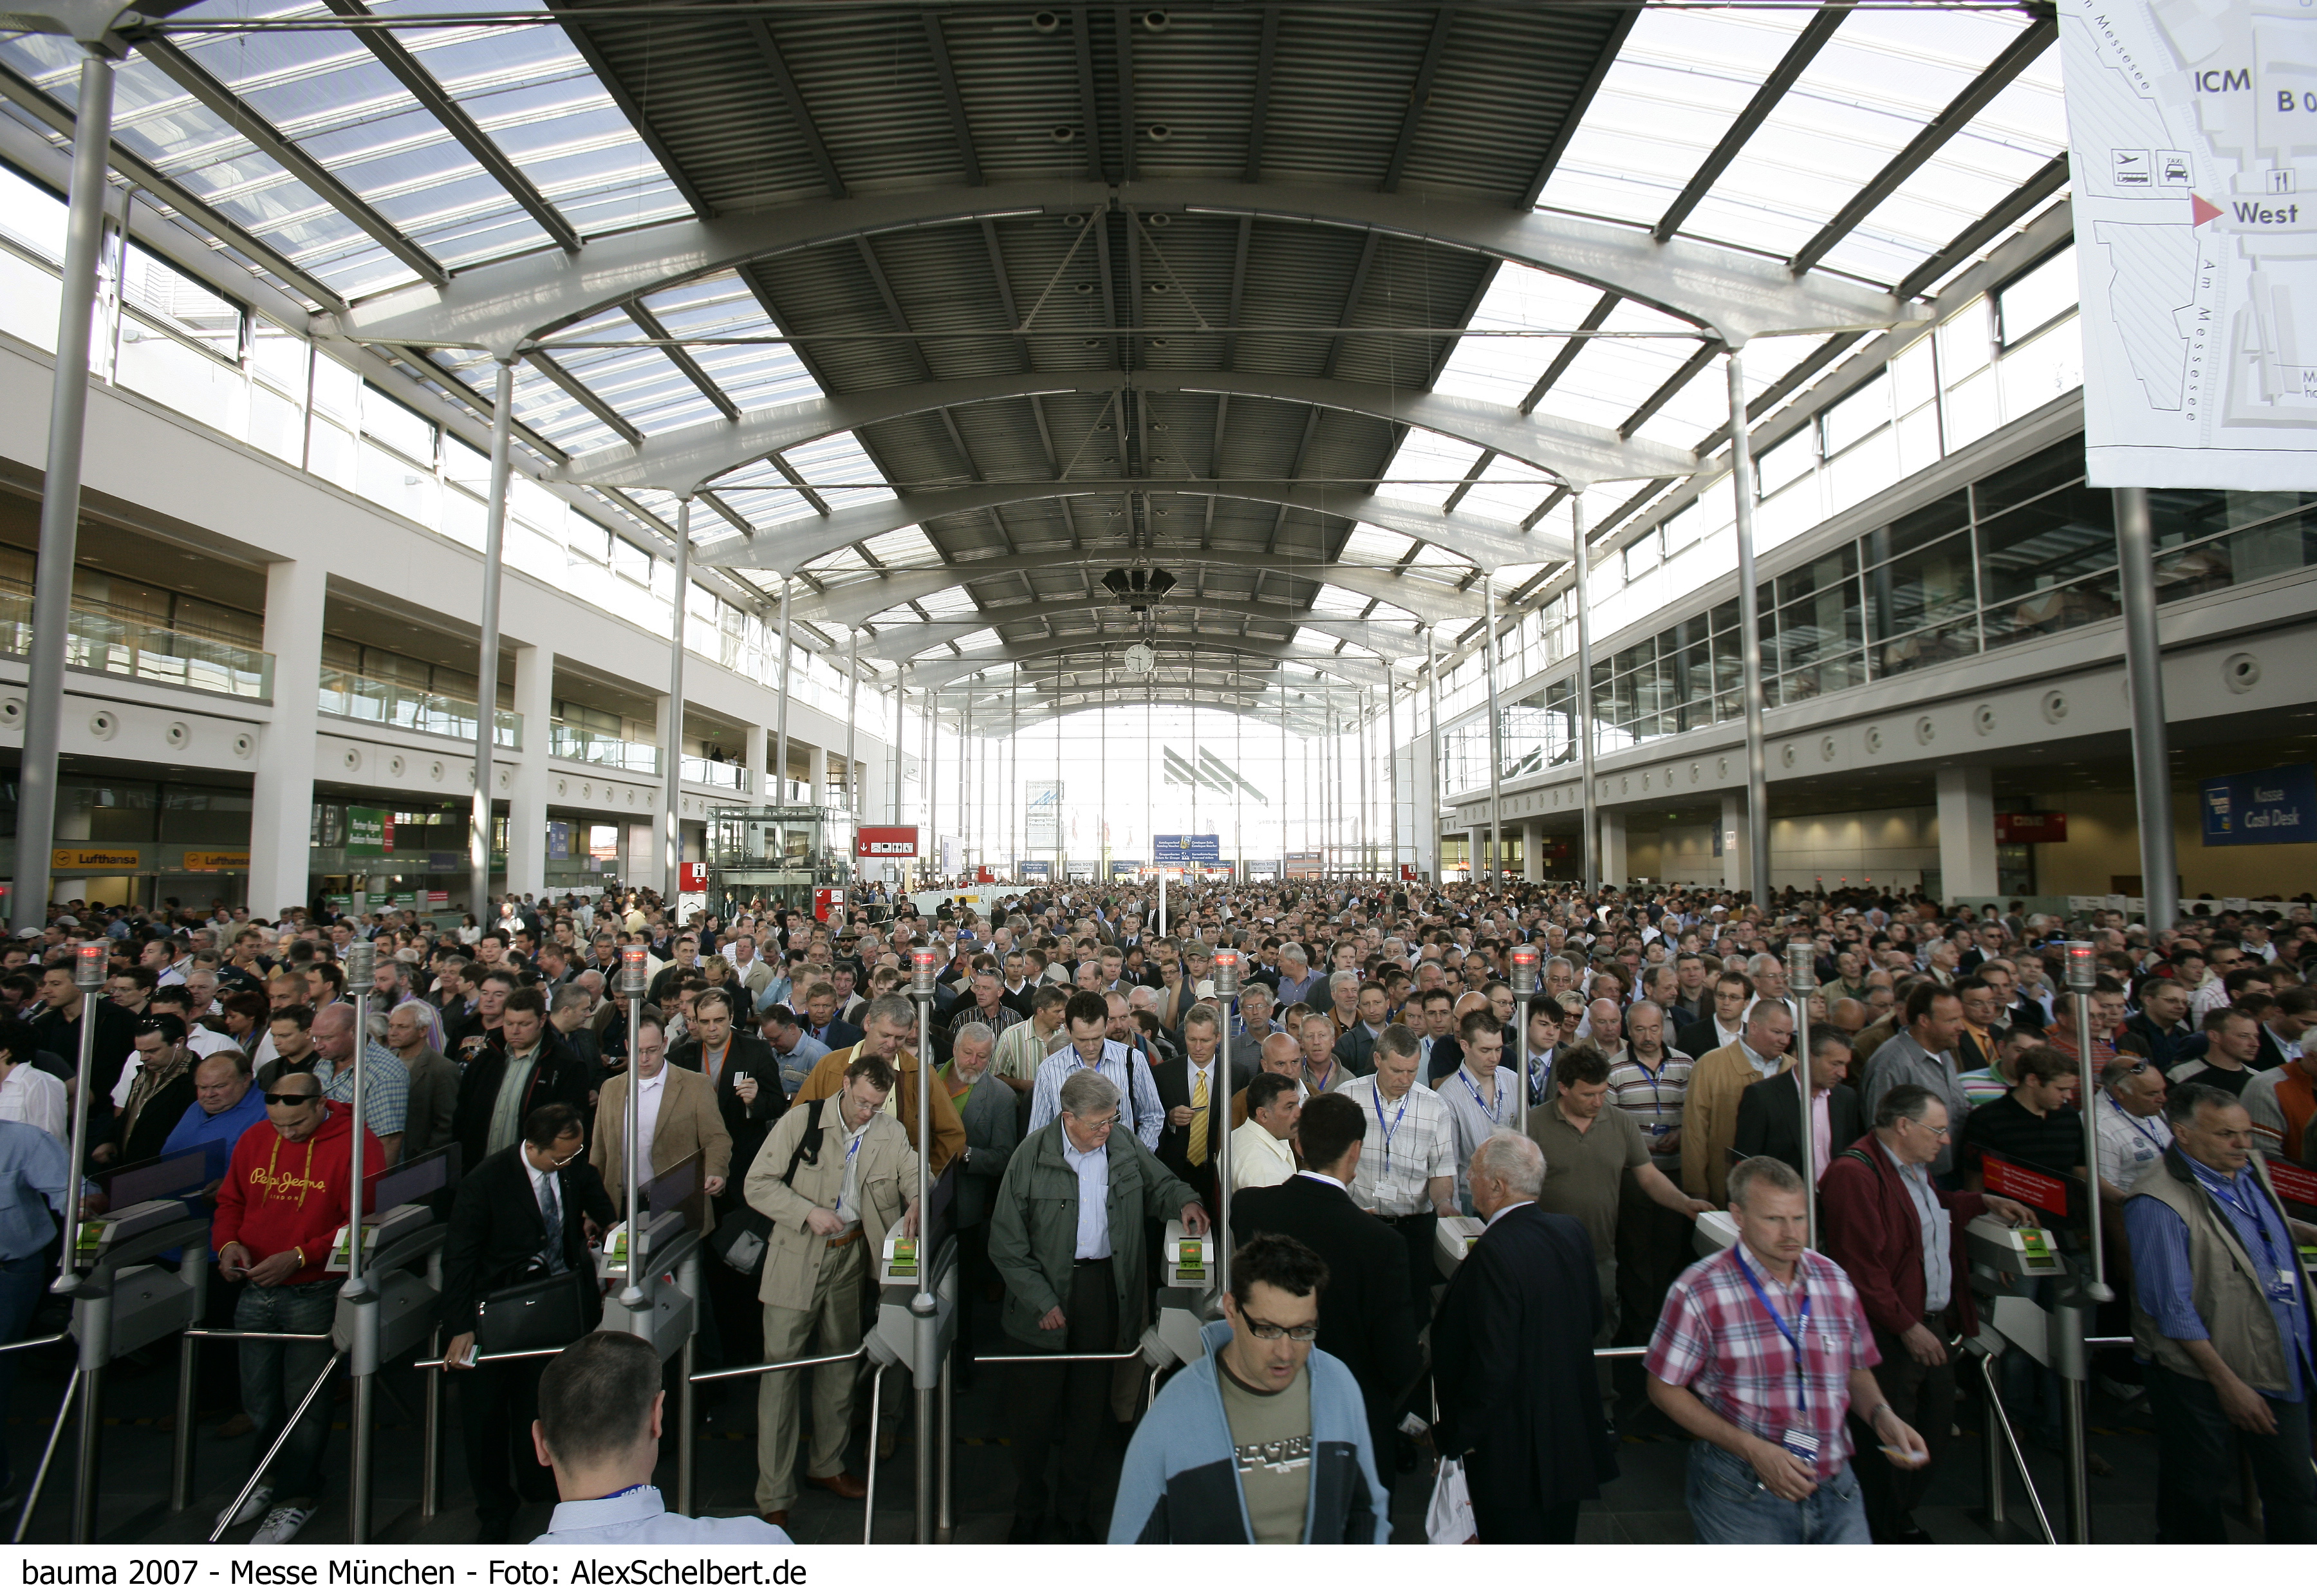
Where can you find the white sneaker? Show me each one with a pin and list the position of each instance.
(281, 1526)
(251, 1510)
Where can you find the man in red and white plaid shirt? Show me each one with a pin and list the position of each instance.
(1761, 1351)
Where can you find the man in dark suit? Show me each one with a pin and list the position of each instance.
(1187, 1092)
(1732, 993)
(739, 1064)
(1365, 1318)
(1769, 1120)
(500, 1234)
(821, 1023)
(1355, 1048)
(1512, 1357)
(530, 1067)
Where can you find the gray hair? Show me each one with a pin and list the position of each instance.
(1089, 1094)
(892, 1009)
(1343, 978)
(575, 996)
(1632, 1013)
(974, 1030)
(1293, 950)
(1775, 1174)
(1765, 961)
(1513, 1159)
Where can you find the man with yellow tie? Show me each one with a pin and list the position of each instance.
(1186, 1143)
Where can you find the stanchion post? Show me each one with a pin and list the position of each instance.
(633, 983)
(925, 969)
(89, 961)
(361, 965)
(1228, 970)
(1802, 980)
(2071, 1315)
(1527, 966)
(2083, 975)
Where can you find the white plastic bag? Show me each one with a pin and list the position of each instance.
(1448, 1519)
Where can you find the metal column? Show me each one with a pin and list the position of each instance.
(1496, 732)
(925, 969)
(52, 584)
(1750, 640)
(671, 814)
(1432, 747)
(780, 794)
(1581, 562)
(487, 671)
(851, 723)
(1392, 766)
(2143, 669)
(1802, 980)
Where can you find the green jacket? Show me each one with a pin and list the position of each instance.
(1033, 1230)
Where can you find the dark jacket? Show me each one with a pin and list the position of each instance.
(1868, 1225)
(1512, 1360)
(1769, 1121)
(2163, 1048)
(840, 1034)
(1699, 1040)
(1174, 1143)
(557, 1077)
(1365, 1317)
(1034, 1229)
(990, 1138)
(1448, 1058)
(1355, 1049)
(432, 1104)
(748, 1123)
(497, 1229)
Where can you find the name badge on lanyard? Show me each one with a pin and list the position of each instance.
(1798, 1439)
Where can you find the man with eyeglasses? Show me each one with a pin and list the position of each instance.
(1900, 1238)
(1286, 1420)
(285, 1198)
(1066, 1236)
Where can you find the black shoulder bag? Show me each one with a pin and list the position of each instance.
(739, 1237)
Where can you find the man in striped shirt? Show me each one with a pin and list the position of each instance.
(1649, 1080)
(1406, 1174)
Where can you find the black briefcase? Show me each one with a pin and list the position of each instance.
(539, 1310)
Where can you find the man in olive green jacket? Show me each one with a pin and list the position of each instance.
(1074, 1282)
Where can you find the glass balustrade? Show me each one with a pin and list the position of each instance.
(123, 646)
(410, 709)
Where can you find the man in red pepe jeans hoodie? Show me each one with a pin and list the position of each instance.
(285, 1198)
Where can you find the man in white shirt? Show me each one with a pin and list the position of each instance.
(1481, 1098)
(1261, 1153)
(2128, 1117)
(28, 1093)
(600, 1411)
(1406, 1173)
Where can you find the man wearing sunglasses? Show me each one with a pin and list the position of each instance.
(284, 1197)
(1288, 1420)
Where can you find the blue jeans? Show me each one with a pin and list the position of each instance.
(22, 1281)
(1730, 1506)
(275, 1375)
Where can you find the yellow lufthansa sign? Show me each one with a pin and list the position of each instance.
(195, 860)
(97, 858)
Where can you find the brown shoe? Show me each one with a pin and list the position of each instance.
(239, 1424)
(848, 1486)
(778, 1518)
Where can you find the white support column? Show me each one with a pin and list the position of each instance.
(535, 702)
(1613, 848)
(281, 798)
(1532, 836)
(1735, 875)
(780, 737)
(667, 731)
(1966, 833)
(1477, 846)
(671, 724)
(759, 778)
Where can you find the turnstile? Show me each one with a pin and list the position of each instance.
(390, 1310)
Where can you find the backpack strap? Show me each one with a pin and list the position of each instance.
(808, 1147)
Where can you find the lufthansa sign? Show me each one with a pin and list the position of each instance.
(97, 858)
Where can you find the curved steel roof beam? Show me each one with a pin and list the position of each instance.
(1350, 669)
(853, 602)
(689, 459)
(499, 307)
(792, 545)
(905, 641)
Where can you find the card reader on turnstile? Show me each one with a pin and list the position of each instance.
(2025, 1250)
(382, 1230)
(1451, 1239)
(110, 1232)
(1187, 1284)
(1716, 1230)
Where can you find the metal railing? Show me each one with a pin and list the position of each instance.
(716, 772)
(566, 741)
(876, 1413)
(123, 646)
(354, 697)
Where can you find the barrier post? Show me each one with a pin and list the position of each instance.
(925, 1371)
(632, 984)
(1802, 980)
(1228, 961)
(2080, 1297)
(89, 961)
(1526, 965)
(360, 967)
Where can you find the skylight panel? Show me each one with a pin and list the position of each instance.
(952, 604)
(1338, 603)
(767, 506)
(839, 459)
(844, 562)
(1373, 545)
(987, 638)
(1507, 491)
(756, 376)
(1502, 371)
(1427, 467)
(908, 547)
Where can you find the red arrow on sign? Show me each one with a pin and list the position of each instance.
(2201, 210)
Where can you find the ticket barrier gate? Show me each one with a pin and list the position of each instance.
(2011, 1269)
(392, 1309)
(668, 1313)
(128, 1298)
(919, 1340)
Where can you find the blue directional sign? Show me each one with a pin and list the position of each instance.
(2256, 807)
(1033, 866)
(1125, 867)
(1188, 848)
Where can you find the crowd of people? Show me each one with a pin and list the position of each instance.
(1379, 1079)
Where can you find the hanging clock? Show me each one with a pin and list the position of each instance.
(1141, 659)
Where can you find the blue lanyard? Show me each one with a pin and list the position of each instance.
(1377, 1092)
(625, 1491)
(1497, 1086)
(2255, 1210)
(1794, 1335)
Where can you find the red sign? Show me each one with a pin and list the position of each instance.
(692, 878)
(983, 875)
(2033, 826)
(2293, 1182)
(1408, 873)
(885, 841)
(828, 903)
(2037, 1190)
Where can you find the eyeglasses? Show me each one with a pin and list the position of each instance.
(272, 1098)
(1102, 1125)
(1263, 1332)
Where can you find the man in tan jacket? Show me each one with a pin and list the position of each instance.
(677, 1116)
(885, 1025)
(833, 1176)
(1709, 1121)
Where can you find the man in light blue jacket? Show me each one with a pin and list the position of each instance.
(1265, 1439)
